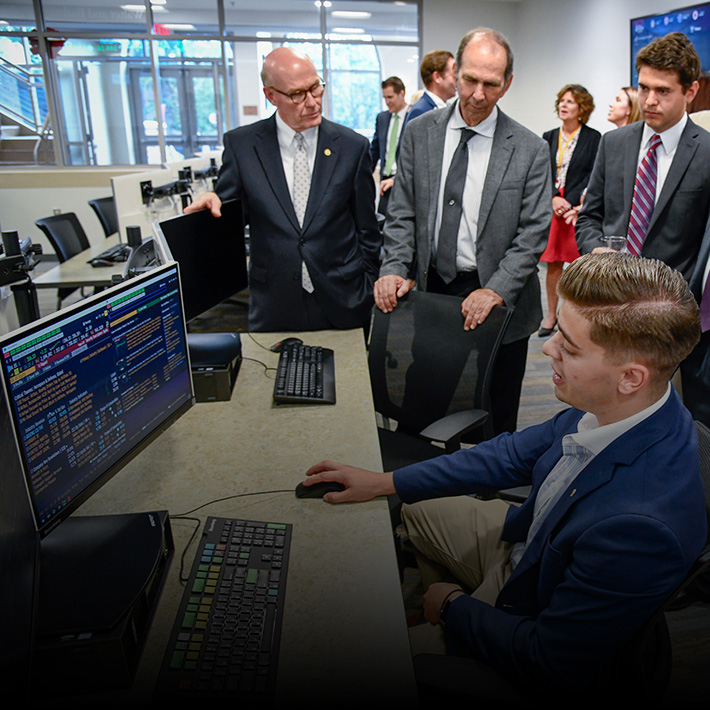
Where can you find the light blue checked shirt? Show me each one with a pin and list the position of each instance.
(578, 450)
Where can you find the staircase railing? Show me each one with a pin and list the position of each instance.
(22, 95)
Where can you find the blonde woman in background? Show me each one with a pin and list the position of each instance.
(625, 107)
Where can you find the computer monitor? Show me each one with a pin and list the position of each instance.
(90, 386)
(211, 253)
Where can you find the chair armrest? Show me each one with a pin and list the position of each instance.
(518, 494)
(449, 429)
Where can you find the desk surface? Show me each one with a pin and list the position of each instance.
(344, 637)
(76, 272)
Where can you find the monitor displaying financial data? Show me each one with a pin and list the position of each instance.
(90, 386)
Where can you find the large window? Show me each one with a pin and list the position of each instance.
(154, 81)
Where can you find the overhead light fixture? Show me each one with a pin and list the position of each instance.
(177, 26)
(348, 30)
(263, 35)
(141, 8)
(348, 15)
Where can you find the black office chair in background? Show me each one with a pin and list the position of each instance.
(431, 376)
(105, 208)
(67, 237)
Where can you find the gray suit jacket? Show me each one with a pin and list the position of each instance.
(681, 212)
(514, 220)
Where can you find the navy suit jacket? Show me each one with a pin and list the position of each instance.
(425, 103)
(339, 240)
(606, 557)
(378, 146)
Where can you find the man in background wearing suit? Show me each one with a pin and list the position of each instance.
(388, 134)
(542, 597)
(484, 243)
(438, 75)
(309, 198)
(664, 219)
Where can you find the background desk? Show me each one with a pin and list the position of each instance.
(344, 638)
(77, 272)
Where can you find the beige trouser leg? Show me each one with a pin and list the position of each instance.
(457, 539)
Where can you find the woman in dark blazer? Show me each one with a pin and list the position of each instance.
(573, 148)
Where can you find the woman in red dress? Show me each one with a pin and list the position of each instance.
(573, 148)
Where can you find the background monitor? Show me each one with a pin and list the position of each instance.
(90, 386)
(693, 21)
(211, 252)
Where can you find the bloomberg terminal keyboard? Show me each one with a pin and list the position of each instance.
(225, 639)
(305, 375)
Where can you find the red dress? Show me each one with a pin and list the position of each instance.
(561, 243)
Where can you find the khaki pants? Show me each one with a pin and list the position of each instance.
(457, 540)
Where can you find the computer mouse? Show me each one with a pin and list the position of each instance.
(101, 262)
(318, 490)
(278, 347)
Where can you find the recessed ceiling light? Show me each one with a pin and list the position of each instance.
(346, 14)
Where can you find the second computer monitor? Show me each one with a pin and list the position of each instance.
(211, 253)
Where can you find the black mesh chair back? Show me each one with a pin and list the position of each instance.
(424, 365)
(67, 237)
(105, 208)
(65, 234)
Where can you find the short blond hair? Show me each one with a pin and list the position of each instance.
(638, 308)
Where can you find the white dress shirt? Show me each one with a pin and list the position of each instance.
(479, 153)
(665, 152)
(588, 441)
(287, 147)
(440, 103)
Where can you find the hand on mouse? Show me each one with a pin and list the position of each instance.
(360, 484)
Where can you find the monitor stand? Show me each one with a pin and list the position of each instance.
(99, 584)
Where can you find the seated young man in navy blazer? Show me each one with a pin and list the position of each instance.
(543, 595)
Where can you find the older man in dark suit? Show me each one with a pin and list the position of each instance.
(306, 184)
(484, 244)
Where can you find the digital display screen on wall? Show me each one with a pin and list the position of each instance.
(694, 22)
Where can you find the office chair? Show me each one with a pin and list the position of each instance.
(105, 208)
(67, 237)
(431, 376)
(641, 669)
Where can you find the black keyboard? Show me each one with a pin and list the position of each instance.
(117, 253)
(225, 639)
(305, 375)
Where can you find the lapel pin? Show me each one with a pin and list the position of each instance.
(327, 151)
(573, 492)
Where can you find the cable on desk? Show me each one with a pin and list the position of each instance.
(186, 516)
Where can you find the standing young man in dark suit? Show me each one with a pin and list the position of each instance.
(438, 73)
(679, 202)
(388, 135)
(543, 596)
(668, 70)
(494, 243)
(309, 197)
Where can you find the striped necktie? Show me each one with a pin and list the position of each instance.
(644, 198)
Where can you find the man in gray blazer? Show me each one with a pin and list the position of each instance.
(668, 69)
(505, 212)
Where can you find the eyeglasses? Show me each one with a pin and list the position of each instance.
(298, 97)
